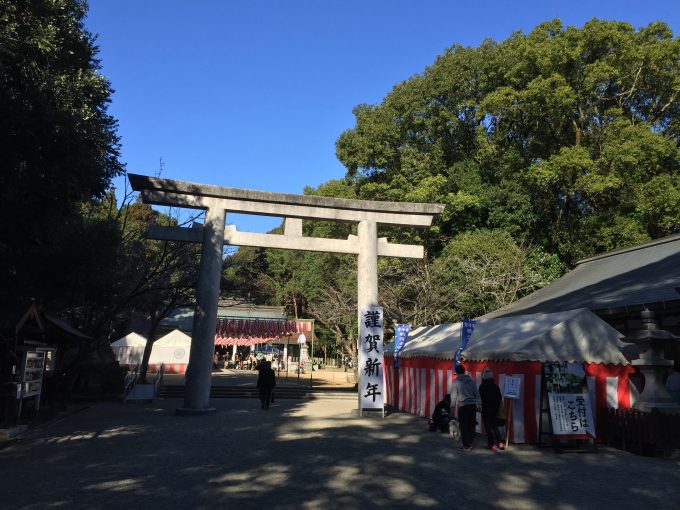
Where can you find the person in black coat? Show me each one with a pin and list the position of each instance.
(442, 415)
(492, 399)
(266, 381)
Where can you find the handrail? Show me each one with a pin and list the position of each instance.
(130, 381)
(158, 381)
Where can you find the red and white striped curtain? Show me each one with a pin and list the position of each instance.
(257, 331)
(420, 383)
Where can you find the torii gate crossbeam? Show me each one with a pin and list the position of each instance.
(217, 201)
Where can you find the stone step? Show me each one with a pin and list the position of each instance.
(281, 393)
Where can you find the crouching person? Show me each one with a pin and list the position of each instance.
(441, 415)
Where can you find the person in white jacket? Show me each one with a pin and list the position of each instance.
(465, 396)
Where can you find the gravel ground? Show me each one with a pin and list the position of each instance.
(305, 455)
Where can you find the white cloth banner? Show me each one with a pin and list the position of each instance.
(371, 366)
(571, 415)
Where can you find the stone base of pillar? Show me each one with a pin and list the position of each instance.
(371, 413)
(186, 411)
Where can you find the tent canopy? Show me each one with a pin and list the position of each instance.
(574, 335)
(130, 340)
(173, 339)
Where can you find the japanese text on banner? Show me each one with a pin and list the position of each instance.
(466, 330)
(402, 331)
(371, 373)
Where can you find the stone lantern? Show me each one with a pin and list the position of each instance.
(652, 364)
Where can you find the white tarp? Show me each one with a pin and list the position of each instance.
(173, 348)
(170, 349)
(129, 349)
(574, 335)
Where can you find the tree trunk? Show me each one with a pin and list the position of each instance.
(155, 317)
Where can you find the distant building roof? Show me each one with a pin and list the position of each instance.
(12, 318)
(65, 327)
(641, 275)
(182, 318)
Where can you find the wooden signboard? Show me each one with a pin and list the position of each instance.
(566, 413)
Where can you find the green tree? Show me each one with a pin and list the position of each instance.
(566, 137)
(127, 275)
(545, 148)
(484, 270)
(59, 148)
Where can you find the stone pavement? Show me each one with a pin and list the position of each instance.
(328, 378)
(304, 455)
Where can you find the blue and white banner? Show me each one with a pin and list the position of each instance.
(465, 334)
(401, 335)
(371, 373)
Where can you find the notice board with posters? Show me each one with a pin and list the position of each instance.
(565, 398)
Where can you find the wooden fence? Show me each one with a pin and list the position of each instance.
(655, 433)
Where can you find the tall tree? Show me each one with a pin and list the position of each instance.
(58, 143)
(566, 137)
(545, 147)
(146, 278)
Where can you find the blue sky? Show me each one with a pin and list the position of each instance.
(253, 94)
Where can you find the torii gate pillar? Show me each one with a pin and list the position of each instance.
(198, 376)
(367, 264)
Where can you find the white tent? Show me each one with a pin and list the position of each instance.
(172, 349)
(517, 346)
(129, 349)
(574, 335)
(577, 336)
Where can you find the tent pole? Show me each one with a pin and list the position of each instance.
(509, 424)
(311, 372)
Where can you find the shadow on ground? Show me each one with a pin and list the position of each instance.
(305, 455)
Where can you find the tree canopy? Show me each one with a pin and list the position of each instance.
(64, 240)
(545, 148)
(567, 138)
(59, 146)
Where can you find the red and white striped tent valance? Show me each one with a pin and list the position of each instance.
(258, 331)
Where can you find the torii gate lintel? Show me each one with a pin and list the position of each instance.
(234, 237)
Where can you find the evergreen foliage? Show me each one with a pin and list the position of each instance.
(59, 149)
(567, 138)
(545, 148)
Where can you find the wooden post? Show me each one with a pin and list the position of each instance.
(508, 424)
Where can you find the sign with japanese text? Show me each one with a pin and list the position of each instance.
(401, 335)
(564, 377)
(512, 386)
(371, 372)
(571, 415)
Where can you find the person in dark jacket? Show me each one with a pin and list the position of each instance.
(491, 397)
(442, 415)
(266, 381)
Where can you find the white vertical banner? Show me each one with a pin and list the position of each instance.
(371, 366)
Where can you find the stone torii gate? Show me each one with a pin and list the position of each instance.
(217, 201)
